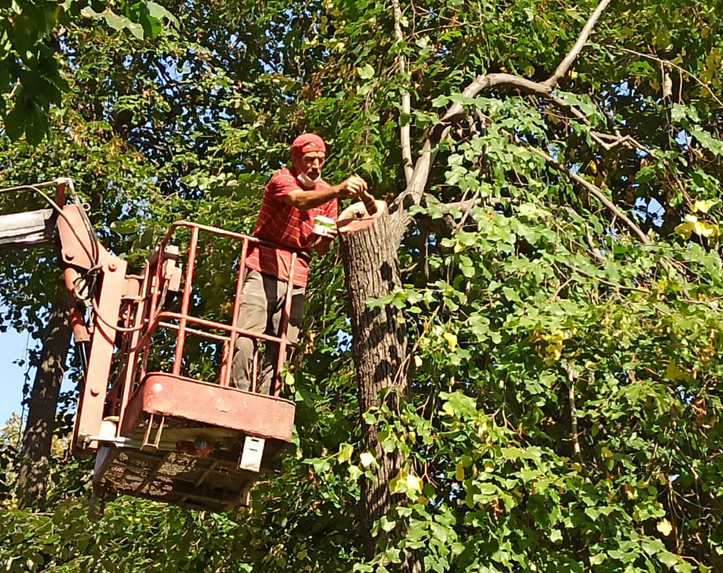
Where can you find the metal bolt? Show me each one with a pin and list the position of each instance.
(69, 254)
(112, 266)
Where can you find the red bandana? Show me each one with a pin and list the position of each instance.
(306, 143)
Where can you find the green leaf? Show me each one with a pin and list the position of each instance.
(667, 558)
(115, 21)
(440, 101)
(125, 227)
(709, 142)
(15, 124)
(159, 12)
(345, 452)
(366, 72)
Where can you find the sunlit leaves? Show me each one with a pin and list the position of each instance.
(701, 228)
(540, 313)
(366, 72)
(366, 459)
(664, 527)
(406, 483)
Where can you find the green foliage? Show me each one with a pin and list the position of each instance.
(565, 378)
(31, 32)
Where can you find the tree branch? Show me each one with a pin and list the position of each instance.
(577, 48)
(572, 377)
(594, 190)
(417, 182)
(404, 131)
(681, 70)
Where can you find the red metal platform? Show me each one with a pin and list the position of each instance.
(181, 441)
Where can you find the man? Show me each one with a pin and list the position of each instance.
(293, 198)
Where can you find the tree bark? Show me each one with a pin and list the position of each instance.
(379, 350)
(38, 435)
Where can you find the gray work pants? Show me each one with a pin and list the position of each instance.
(262, 307)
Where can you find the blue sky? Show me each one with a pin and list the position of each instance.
(12, 348)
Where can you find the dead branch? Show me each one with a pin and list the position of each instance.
(672, 65)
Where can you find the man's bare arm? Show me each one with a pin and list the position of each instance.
(305, 200)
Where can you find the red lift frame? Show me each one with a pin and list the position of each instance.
(162, 435)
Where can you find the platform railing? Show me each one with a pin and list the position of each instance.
(146, 316)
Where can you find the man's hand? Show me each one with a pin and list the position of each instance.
(322, 245)
(352, 187)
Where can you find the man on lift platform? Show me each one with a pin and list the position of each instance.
(292, 200)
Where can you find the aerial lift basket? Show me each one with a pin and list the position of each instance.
(162, 427)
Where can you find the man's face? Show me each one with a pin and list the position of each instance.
(311, 164)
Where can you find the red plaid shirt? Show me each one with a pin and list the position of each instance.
(288, 227)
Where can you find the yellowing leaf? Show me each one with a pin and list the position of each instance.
(366, 459)
(418, 361)
(451, 340)
(665, 527)
(693, 225)
(396, 484)
(459, 471)
(414, 483)
(345, 452)
(406, 483)
(705, 229)
(685, 229)
(555, 340)
(702, 206)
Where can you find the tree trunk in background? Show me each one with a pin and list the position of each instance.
(38, 436)
(379, 350)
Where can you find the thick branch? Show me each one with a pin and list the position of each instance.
(418, 181)
(405, 130)
(38, 434)
(577, 48)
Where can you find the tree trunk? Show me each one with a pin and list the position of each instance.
(38, 436)
(379, 350)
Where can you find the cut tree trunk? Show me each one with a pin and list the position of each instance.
(38, 435)
(379, 350)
